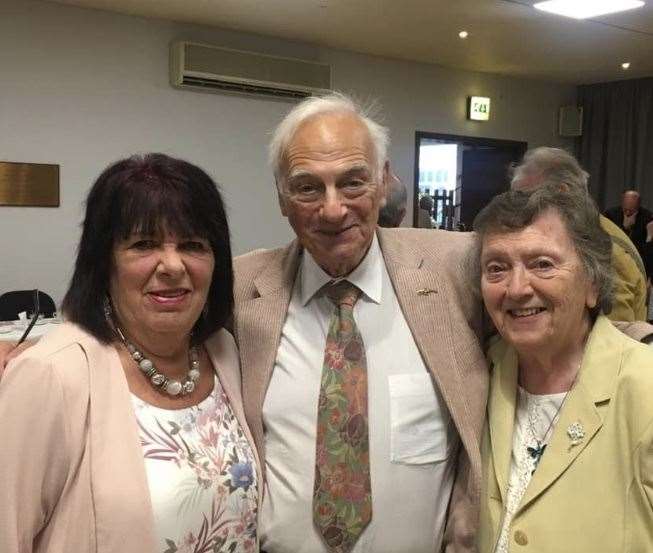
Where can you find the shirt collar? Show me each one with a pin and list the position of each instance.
(368, 276)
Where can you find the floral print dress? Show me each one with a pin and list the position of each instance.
(201, 474)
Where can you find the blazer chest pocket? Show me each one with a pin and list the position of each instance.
(419, 420)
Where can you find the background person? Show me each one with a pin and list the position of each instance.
(544, 165)
(124, 427)
(569, 403)
(424, 219)
(632, 218)
(393, 212)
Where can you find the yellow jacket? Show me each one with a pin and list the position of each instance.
(594, 497)
(630, 276)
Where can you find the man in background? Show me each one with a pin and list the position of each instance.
(542, 165)
(424, 213)
(393, 212)
(632, 218)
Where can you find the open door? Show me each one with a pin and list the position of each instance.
(484, 175)
(459, 175)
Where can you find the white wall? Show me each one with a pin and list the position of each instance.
(82, 88)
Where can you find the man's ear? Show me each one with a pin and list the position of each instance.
(281, 200)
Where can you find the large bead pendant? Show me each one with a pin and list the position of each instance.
(173, 387)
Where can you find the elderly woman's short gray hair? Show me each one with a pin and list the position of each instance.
(335, 102)
(515, 210)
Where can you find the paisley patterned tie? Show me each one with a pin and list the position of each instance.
(342, 494)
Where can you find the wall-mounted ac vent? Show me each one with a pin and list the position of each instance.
(211, 68)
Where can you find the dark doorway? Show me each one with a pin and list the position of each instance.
(456, 176)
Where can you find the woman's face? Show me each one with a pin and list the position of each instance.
(160, 284)
(535, 288)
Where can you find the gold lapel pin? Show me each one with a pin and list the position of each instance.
(426, 291)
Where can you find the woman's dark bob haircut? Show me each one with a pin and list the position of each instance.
(149, 194)
(515, 210)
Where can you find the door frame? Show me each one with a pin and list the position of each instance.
(517, 145)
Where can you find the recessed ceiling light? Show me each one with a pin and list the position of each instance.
(463, 34)
(582, 9)
(625, 65)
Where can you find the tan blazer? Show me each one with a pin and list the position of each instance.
(432, 283)
(629, 303)
(71, 467)
(594, 497)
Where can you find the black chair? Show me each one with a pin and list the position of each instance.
(12, 303)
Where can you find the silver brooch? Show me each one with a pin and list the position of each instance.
(576, 433)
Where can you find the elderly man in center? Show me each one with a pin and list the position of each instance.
(363, 377)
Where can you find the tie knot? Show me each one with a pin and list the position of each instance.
(343, 293)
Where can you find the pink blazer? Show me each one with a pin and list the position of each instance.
(71, 468)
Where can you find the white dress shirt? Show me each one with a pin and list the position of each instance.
(412, 438)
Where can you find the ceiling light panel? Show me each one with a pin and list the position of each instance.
(583, 9)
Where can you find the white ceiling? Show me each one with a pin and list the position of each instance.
(508, 37)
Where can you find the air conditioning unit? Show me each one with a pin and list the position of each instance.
(212, 68)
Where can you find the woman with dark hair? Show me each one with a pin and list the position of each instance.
(124, 428)
(568, 446)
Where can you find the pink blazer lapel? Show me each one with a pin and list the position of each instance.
(448, 345)
(259, 322)
(117, 471)
(224, 356)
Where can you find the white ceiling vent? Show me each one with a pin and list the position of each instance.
(211, 68)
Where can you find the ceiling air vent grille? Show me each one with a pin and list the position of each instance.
(211, 68)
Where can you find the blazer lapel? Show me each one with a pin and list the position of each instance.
(501, 416)
(224, 357)
(118, 475)
(560, 453)
(584, 405)
(424, 303)
(259, 323)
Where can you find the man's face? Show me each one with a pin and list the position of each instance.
(630, 203)
(331, 190)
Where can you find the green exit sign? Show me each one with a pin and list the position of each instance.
(479, 108)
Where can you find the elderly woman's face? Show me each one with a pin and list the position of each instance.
(160, 284)
(534, 286)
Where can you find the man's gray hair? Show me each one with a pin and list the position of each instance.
(516, 209)
(547, 165)
(335, 102)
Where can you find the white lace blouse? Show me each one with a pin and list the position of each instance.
(202, 478)
(535, 418)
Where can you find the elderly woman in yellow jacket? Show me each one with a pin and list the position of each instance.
(568, 445)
